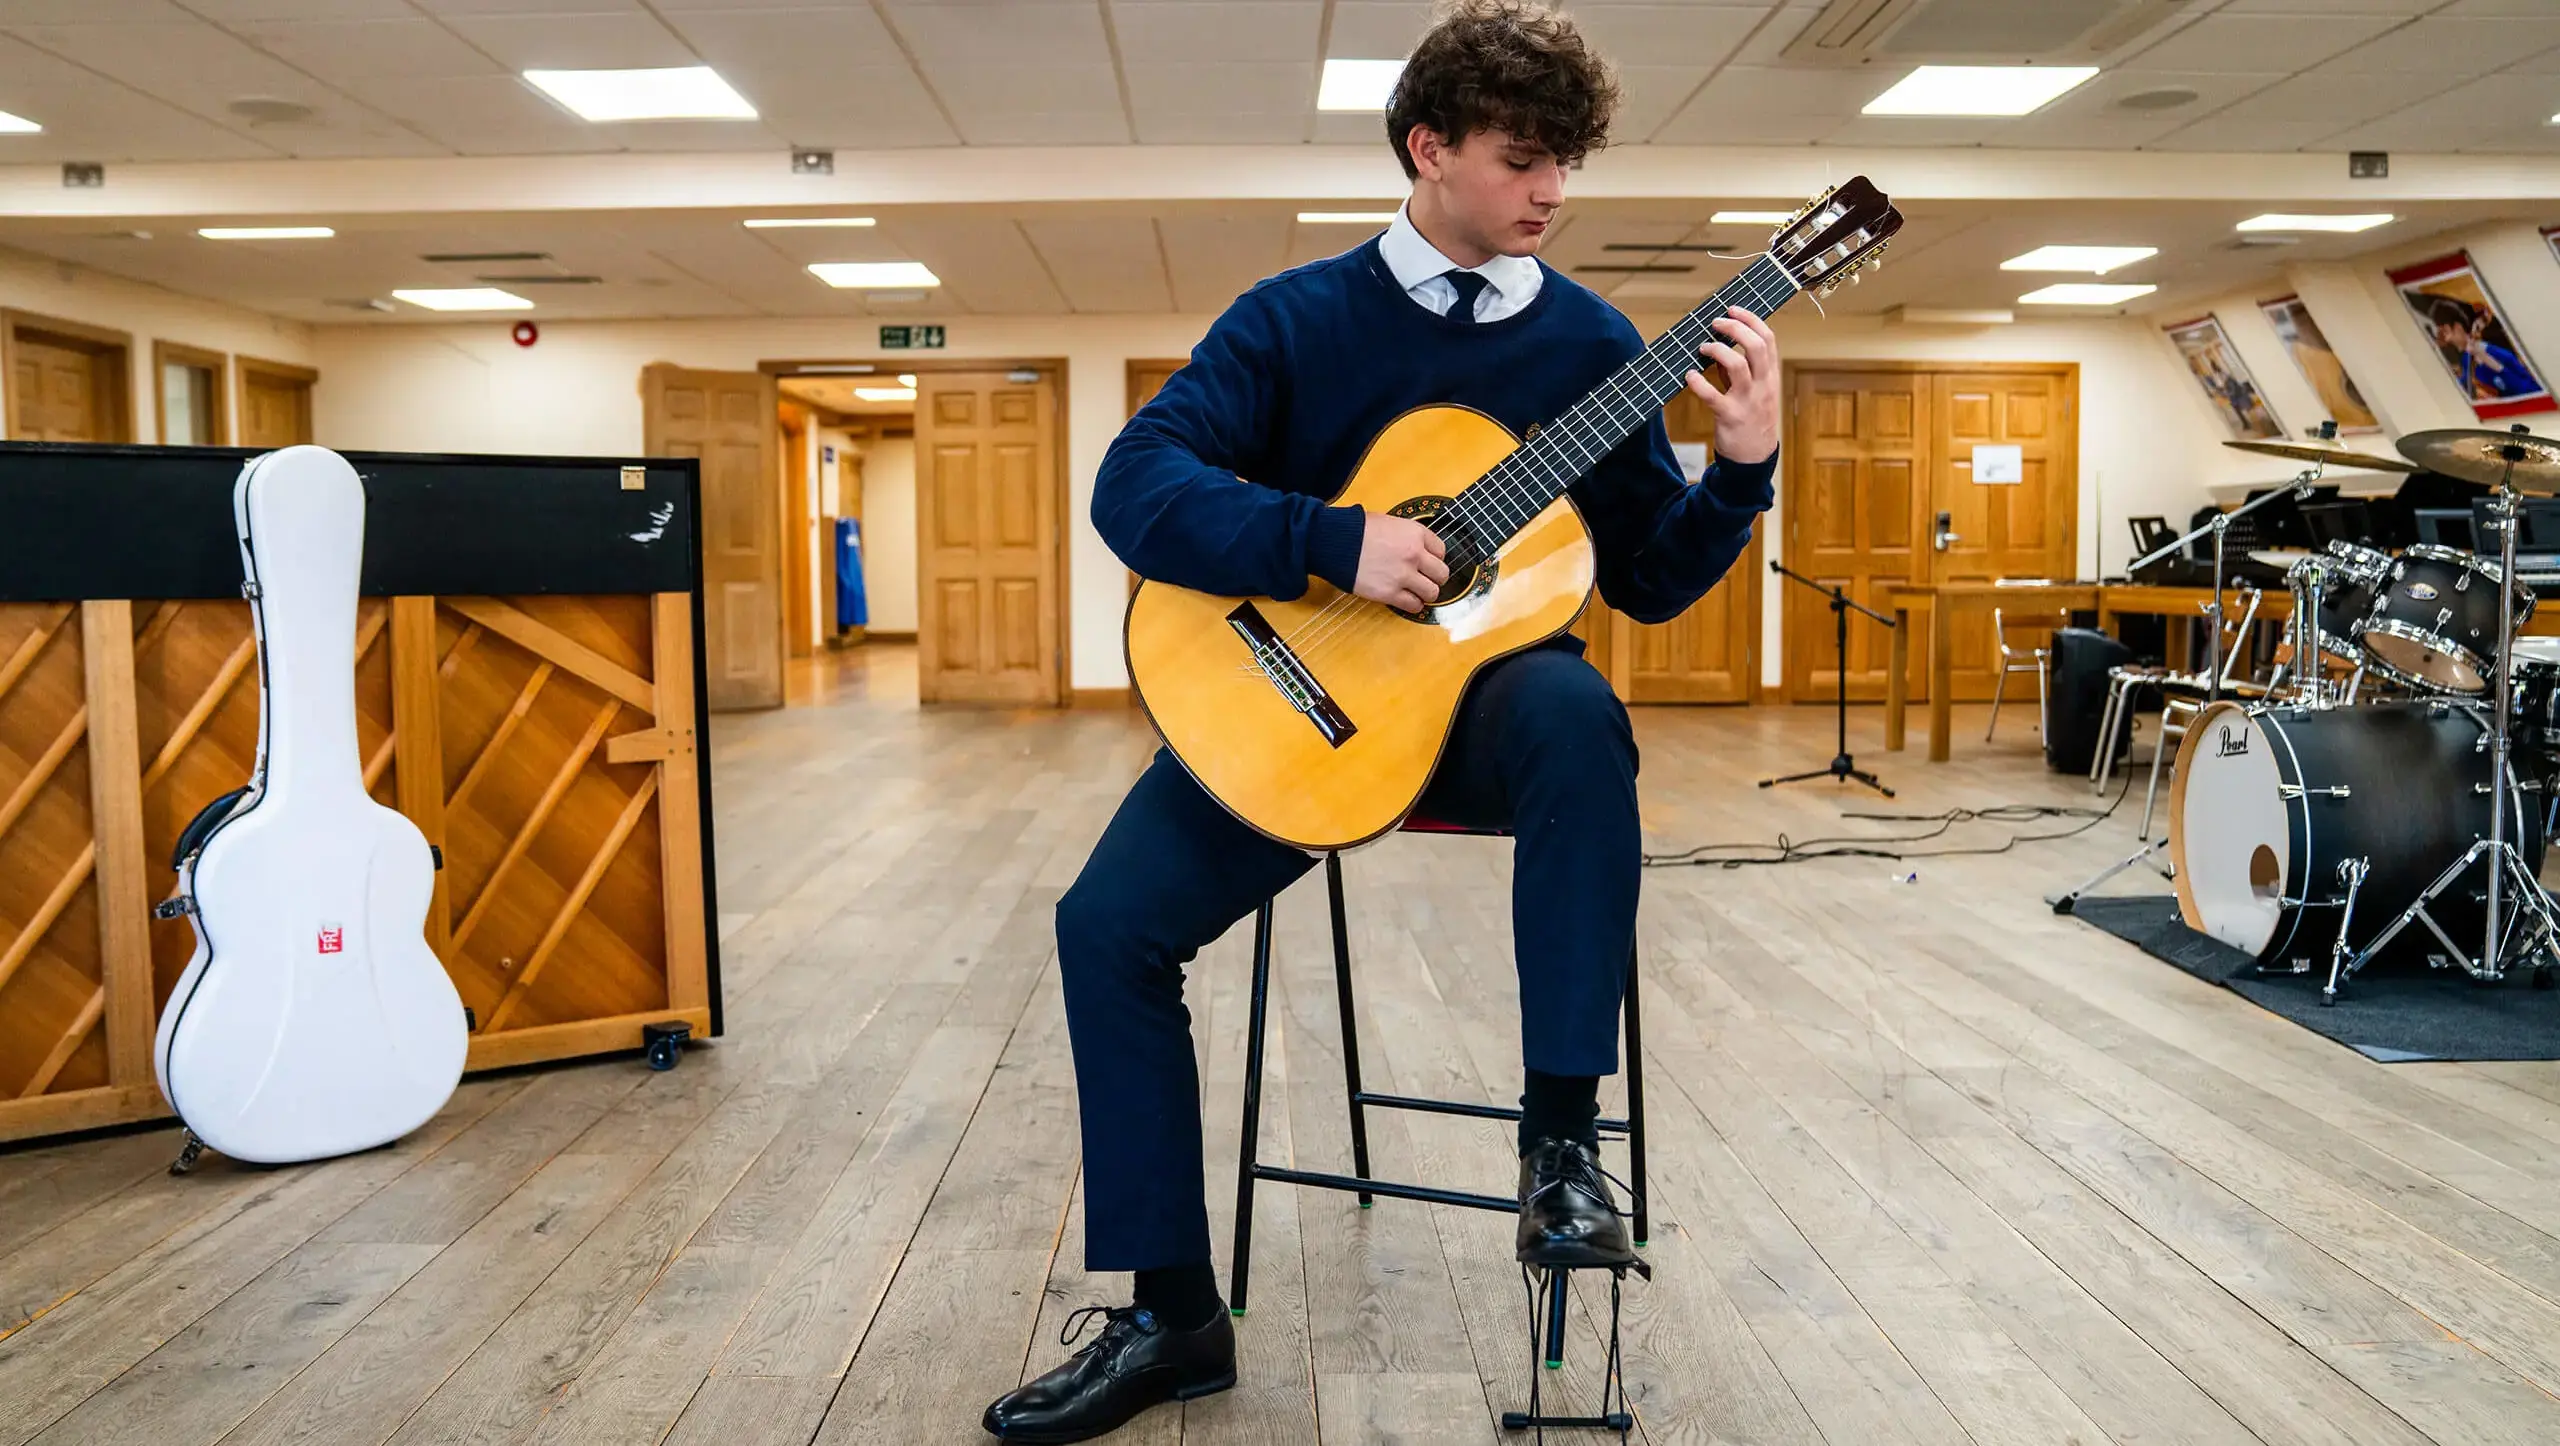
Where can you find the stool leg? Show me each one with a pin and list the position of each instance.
(1249, 1153)
(1635, 1106)
(1350, 1027)
(1558, 1288)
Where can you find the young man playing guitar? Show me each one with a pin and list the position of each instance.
(1219, 484)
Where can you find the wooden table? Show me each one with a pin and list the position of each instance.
(2110, 601)
(1942, 601)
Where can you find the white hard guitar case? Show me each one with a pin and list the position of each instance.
(313, 1020)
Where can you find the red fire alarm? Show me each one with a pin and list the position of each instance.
(526, 333)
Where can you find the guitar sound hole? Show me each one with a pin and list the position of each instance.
(1469, 577)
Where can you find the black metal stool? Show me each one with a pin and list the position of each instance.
(1249, 1166)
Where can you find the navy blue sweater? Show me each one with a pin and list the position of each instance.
(1290, 385)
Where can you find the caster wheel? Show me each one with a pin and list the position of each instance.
(663, 1044)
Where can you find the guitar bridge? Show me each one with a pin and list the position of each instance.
(1288, 674)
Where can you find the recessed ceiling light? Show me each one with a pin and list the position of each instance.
(1752, 218)
(265, 233)
(1345, 218)
(1357, 84)
(885, 394)
(872, 274)
(2288, 221)
(464, 298)
(2096, 260)
(1977, 89)
(906, 379)
(684, 92)
(2086, 293)
(779, 223)
(17, 125)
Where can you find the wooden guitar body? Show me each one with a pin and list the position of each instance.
(1385, 685)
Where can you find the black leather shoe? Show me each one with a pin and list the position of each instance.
(1135, 1363)
(1567, 1218)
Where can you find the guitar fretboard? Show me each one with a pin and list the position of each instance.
(1497, 505)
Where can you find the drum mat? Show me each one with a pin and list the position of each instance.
(2390, 1013)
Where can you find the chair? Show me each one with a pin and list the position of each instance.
(2183, 697)
(1249, 1166)
(2038, 661)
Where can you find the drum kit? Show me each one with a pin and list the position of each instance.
(2411, 789)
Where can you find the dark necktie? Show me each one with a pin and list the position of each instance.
(1470, 286)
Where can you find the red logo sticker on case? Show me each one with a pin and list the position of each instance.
(333, 939)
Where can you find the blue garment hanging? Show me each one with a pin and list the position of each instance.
(853, 609)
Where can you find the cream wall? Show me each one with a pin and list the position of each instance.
(148, 314)
(889, 535)
(2147, 440)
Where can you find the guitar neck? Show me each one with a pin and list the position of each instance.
(1497, 505)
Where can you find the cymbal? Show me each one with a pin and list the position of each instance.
(2477, 454)
(2334, 456)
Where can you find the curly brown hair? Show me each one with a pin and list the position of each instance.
(1506, 65)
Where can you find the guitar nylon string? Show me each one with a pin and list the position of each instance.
(1335, 622)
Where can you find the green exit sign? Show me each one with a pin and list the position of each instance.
(911, 338)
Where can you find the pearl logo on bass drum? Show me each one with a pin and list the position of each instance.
(313, 1019)
(2230, 744)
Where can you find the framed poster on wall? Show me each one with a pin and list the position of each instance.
(2217, 368)
(2453, 310)
(2319, 364)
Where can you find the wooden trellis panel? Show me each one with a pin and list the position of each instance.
(544, 744)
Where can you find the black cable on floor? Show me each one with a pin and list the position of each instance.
(1790, 851)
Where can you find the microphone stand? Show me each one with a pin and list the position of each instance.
(1843, 767)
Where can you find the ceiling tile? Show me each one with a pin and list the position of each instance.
(489, 115)
(985, 263)
(18, 14)
(201, 69)
(1184, 31)
(1224, 127)
(348, 50)
(2089, 116)
(1351, 127)
(2470, 115)
(1045, 128)
(2280, 43)
(2452, 47)
(1760, 105)
(2242, 133)
(1778, 33)
(87, 117)
(527, 7)
(232, 12)
(1668, 34)
(819, 77)
(2337, 98)
(1104, 263)
(1024, 32)
(1377, 29)
(1648, 96)
(1213, 259)
(819, 40)
(629, 41)
(1283, 89)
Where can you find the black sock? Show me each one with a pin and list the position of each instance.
(1559, 1106)
(1184, 1297)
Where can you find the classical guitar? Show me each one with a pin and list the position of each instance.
(313, 1019)
(1318, 720)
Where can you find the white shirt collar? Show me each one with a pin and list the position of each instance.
(1414, 260)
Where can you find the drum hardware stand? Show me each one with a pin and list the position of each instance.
(2299, 488)
(2541, 932)
(1842, 767)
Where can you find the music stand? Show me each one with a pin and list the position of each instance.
(1842, 766)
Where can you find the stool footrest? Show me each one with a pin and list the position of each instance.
(1523, 1421)
(1460, 1107)
(1355, 1184)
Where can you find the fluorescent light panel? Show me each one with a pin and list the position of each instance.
(1346, 218)
(1357, 84)
(874, 274)
(464, 298)
(1752, 218)
(885, 394)
(2096, 260)
(2289, 221)
(1978, 89)
(266, 233)
(686, 92)
(781, 223)
(2086, 293)
(17, 125)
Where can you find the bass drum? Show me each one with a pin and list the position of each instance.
(2268, 802)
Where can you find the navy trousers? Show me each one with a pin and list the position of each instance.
(1541, 746)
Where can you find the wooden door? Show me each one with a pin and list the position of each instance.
(726, 420)
(1710, 653)
(799, 527)
(2022, 529)
(1858, 448)
(989, 579)
(67, 382)
(275, 403)
(1146, 376)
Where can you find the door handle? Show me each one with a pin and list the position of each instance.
(1945, 536)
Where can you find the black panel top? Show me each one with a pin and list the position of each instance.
(92, 521)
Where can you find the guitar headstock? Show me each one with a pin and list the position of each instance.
(1838, 234)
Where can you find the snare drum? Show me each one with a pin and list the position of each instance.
(2268, 802)
(2435, 626)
